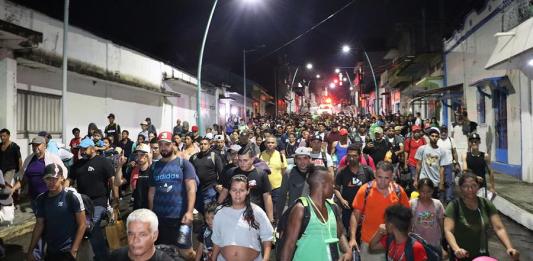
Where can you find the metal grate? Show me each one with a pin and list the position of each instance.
(38, 112)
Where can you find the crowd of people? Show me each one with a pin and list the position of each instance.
(302, 186)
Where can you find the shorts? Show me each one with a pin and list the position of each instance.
(169, 230)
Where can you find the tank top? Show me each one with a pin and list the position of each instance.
(477, 164)
(312, 245)
(341, 151)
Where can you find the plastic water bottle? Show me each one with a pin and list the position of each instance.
(184, 234)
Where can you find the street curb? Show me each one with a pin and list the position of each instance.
(13, 231)
(514, 212)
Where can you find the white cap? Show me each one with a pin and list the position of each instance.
(209, 136)
(219, 137)
(235, 147)
(143, 148)
(302, 151)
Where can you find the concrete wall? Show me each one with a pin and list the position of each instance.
(466, 54)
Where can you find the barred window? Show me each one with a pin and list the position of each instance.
(38, 112)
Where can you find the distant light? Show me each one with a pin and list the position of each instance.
(351, 88)
(250, 1)
(309, 66)
(344, 79)
(300, 85)
(335, 81)
(328, 100)
(332, 85)
(346, 48)
(234, 110)
(337, 70)
(318, 76)
(530, 62)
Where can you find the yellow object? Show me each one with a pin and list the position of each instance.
(276, 165)
(415, 194)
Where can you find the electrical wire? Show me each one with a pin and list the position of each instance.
(307, 31)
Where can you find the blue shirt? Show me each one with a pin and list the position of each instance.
(168, 178)
(59, 214)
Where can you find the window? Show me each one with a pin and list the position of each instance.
(481, 107)
(38, 112)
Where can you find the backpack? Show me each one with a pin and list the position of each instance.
(324, 159)
(212, 154)
(284, 221)
(432, 253)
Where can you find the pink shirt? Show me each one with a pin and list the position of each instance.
(427, 221)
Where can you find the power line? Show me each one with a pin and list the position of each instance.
(307, 31)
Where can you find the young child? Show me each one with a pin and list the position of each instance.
(393, 236)
(205, 245)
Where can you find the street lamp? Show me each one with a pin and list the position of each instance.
(200, 62)
(318, 76)
(346, 48)
(244, 52)
(332, 85)
(337, 70)
(309, 66)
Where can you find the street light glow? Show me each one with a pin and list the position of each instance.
(346, 48)
(530, 62)
(332, 85)
(309, 66)
(318, 76)
(337, 70)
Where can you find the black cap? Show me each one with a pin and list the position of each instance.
(147, 119)
(111, 115)
(443, 128)
(315, 137)
(53, 170)
(474, 136)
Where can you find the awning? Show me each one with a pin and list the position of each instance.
(500, 83)
(430, 82)
(514, 49)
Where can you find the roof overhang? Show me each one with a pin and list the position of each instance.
(514, 49)
(15, 37)
(499, 83)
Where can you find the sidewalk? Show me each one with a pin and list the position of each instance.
(514, 199)
(23, 223)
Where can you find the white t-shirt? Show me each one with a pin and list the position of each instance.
(230, 228)
(316, 159)
(432, 159)
(446, 144)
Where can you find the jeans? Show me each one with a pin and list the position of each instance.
(98, 242)
(346, 215)
(38, 252)
(276, 196)
(450, 182)
(204, 198)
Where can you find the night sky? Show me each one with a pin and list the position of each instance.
(171, 31)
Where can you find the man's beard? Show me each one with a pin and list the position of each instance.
(166, 154)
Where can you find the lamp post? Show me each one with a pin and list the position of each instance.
(65, 72)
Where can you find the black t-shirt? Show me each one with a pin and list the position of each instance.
(9, 159)
(379, 150)
(140, 194)
(121, 254)
(91, 176)
(350, 182)
(126, 147)
(208, 166)
(257, 181)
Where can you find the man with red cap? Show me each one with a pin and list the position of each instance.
(411, 145)
(171, 196)
(196, 134)
(340, 147)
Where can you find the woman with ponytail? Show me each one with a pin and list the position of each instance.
(240, 227)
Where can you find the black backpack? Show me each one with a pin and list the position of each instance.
(432, 253)
(89, 210)
(284, 221)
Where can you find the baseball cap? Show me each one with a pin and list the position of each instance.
(474, 136)
(416, 128)
(398, 128)
(343, 132)
(443, 128)
(144, 123)
(315, 137)
(209, 136)
(378, 130)
(165, 136)
(148, 119)
(144, 148)
(38, 140)
(219, 138)
(235, 148)
(53, 171)
(86, 143)
(194, 128)
(244, 133)
(302, 151)
(433, 130)
(111, 115)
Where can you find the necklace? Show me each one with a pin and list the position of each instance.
(396, 252)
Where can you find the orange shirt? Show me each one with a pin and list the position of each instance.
(376, 203)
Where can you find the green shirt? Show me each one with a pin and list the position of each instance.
(470, 231)
(312, 245)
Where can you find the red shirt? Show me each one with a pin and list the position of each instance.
(410, 146)
(74, 143)
(362, 161)
(397, 251)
